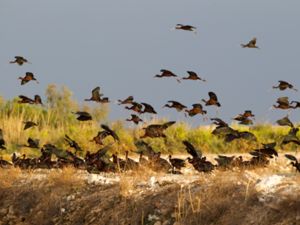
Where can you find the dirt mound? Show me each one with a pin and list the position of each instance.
(223, 197)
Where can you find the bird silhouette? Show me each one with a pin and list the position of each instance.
(157, 130)
(32, 143)
(148, 108)
(295, 163)
(166, 73)
(136, 107)
(37, 100)
(197, 109)
(2, 141)
(283, 103)
(285, 121)
(128, 100)
(105, 133)
(186, 28)
(29, 124)
(291, 137)
(28, 77)
(96, 96)
(193, 76)
(283, 85)
(73, 144)
(20, 60)
(176, 163)
(83, 116)
(176, 105)
(134, 118)
(250, 44)
(213, 100)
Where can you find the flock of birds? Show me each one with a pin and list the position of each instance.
(102, 161)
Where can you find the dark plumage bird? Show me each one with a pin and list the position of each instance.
(291, 137)
(134, 118)
(213, 100)
(294, 162)
(283, 85)
(268, 150)
(285, 121)
(37, 100)
(197, 109)
(283, 103)
(19, 60)
(157, 130)
(83, 116)
(105, 133)
(245, 118)
(297, 104)
(96, 96)
(73, 144)
(104, 100)
(136, 107)
(250, 44)
(128, 100)
(32, 143)
(176, 163)
(28, 77)
(176, 105)
(148, 108)
(29, 124)
(2, 141)
(166, 73)
(225, 161)
(186, 27)
(193, 76)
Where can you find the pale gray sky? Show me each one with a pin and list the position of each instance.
(121, 45)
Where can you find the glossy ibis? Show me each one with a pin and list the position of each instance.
(128, 100)
(176, 163)
(29, 124)
(83, 116)
(176, 105)
(136, 107)
(157, 130)
(291, 137)
(96, 96)
(134, 118)
(250, 44)
(197, 109)
(294, 162)
(193, 76)
(186, 28)
(28, 77)
(73, 144)
(283, 103)
(166, 73)
(2, 141)
(37, 100)
(20, 60)
(285, 121)
(148, 108)
(105, 133)
(213, 100)
(32, 143)
(283, 85)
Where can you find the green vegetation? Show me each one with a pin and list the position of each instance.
(55, 119)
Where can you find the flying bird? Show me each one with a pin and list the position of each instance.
(20, 60)
(157, 130)
(83, 116)
(128, 100)
(37, 100)
(176, 105)
(96, 96)
(283, 103)
(186, 28)
(28, 77)
(250, 44)
(193, 76)
(148, 108)
(285, 121)
(136, 107)
(105, 133)
(166, 73)
(134, 118)
(283, 85)
(213, 100)
(197, 109)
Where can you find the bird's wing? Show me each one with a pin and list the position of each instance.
(213, 96)
(191, 150)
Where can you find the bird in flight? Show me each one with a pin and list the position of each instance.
(20, 60)
(193, 76)
(186, 28)
(283, 85)
(250, 44)
(28, 77)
